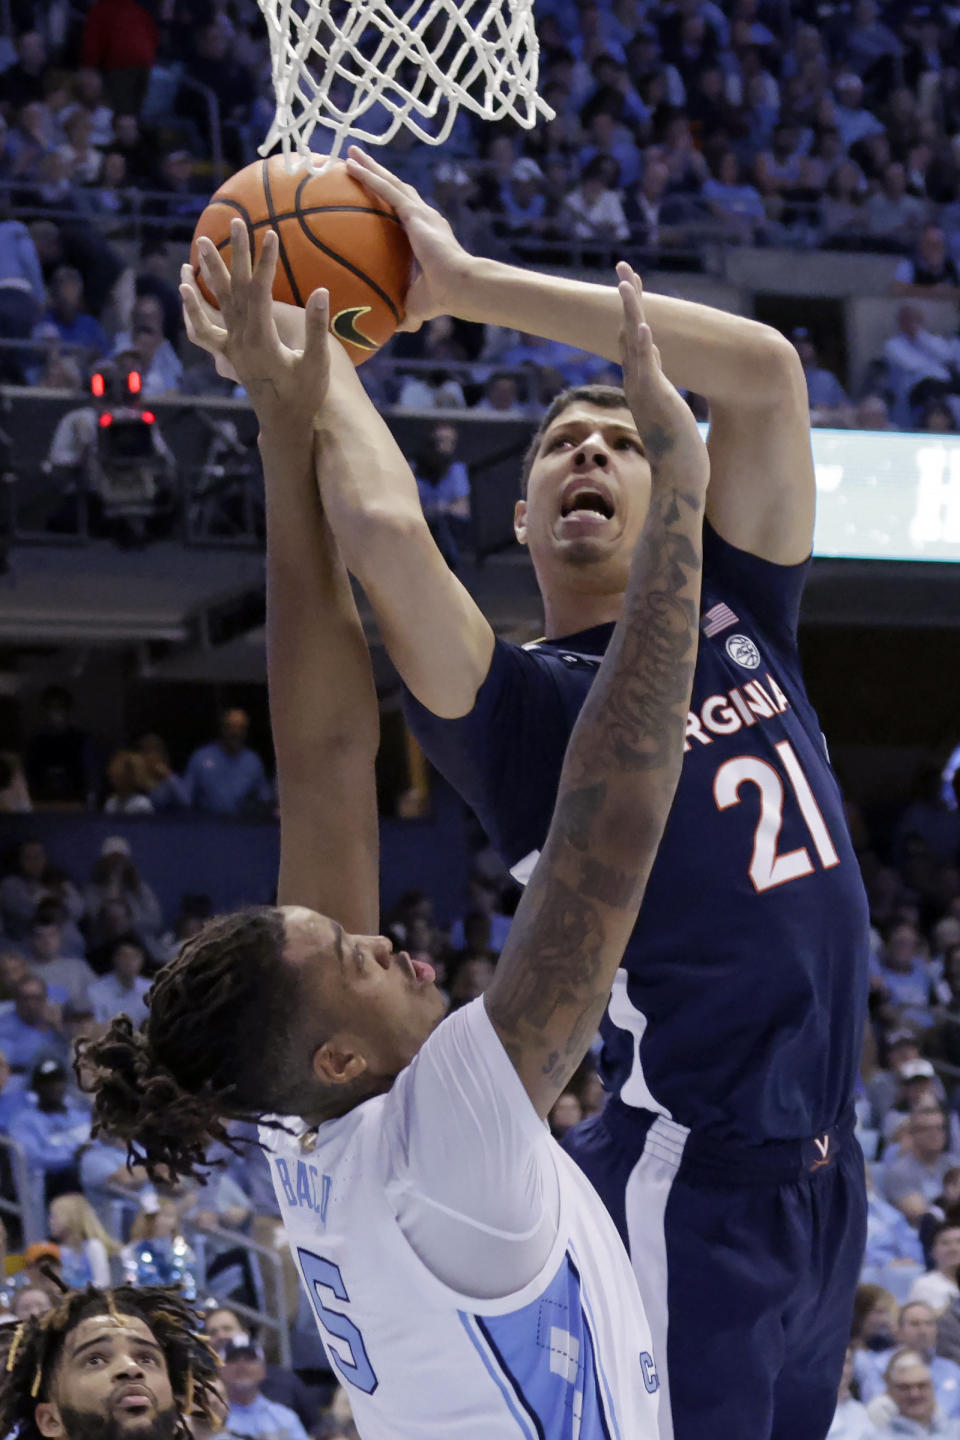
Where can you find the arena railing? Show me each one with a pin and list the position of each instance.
(19, 1207)
(278, 1323)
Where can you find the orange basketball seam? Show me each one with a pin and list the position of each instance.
(347, 265)
(288, 269)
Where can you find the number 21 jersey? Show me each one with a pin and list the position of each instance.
(740, 1004)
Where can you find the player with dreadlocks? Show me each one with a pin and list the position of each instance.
(466, 1276)
(123, 1364)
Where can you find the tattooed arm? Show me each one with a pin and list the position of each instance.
(623, 761)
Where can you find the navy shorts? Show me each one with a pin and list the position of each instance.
(747, 1259)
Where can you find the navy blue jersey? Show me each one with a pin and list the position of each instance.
(740, 1006)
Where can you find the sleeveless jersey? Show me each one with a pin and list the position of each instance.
(568, 1355)
(740, 1005)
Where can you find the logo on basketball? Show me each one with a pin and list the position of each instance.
(344, 326)
(742, 649)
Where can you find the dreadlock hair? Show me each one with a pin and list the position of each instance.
(212, 1048)
(29, 1352)
(607, 397)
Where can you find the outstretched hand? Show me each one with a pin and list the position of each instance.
(663, 418)
(244, 336)
(440, 258)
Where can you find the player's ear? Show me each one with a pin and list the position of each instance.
(520, 521)
(338, 1061)
(47, 1419)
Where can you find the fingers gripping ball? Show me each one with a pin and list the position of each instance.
(332, 232)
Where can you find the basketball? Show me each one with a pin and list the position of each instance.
(332, 232)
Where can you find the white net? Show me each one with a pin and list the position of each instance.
(339, 62)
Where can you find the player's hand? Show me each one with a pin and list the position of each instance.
(282, 377)
(664, 419)
(441, 261)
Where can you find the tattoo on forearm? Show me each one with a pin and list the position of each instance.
(617, 786)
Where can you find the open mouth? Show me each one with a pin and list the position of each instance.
(588, 500)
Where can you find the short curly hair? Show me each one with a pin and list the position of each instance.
(29, 1352)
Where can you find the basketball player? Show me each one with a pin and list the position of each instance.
(124, 1364)
(466, 1276)
(731, 1045)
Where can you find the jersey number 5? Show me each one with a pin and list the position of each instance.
(767, 867)
(323, 1276)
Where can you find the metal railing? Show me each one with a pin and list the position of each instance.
(20, 1207)
(259, 1258)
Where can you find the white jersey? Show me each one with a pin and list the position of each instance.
(407, 1216)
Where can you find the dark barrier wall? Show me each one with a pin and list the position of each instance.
(236, 863)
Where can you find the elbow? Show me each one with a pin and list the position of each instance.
(777, 377)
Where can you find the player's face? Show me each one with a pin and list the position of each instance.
(587, 498)
(369, 1002)
(111, 1382)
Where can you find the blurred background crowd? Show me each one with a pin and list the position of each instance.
(687, 132)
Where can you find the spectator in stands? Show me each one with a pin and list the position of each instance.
(30, 1303)
(737, 205)
(653, 211)
(444, 488)
(829, 404)
(194, 910)
(915, 1409)
(915, 1178)
(25, 81)
(66, 312)
(891, 1239)
(174, 211)
(842, 215)
(12, 1090)
(103, 1171)
(123, 990)
(523, 201)
(22, 890)
(223, 1326)
(67, 977)
(938, 418)
(567, 1112)
(471, 977)
(85, 1246)
(59, 757)
(850, 1421)
(52, 1131)
(140, 155)
(923, 365)
(226, 777)
(129, 785)
(83, 160)
(501, 396)
(166, 789)
(853, 121)
(21, 291)
(930, 271)
(916, 1330)
(251, 1414)
(593, 210)
(337, 1419)
(28, 1030)
(159, 363)
(157, 1253)
(903, 976)
(120, 40)
(115, 877)
(938, 1288)
(892, 214)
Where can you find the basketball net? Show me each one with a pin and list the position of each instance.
(334, 60)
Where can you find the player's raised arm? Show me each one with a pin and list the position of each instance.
(323, 702)
(623, 762)
(762, 486)
(435, 633)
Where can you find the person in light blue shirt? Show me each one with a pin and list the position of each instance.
(251, 1414)
(916, 1330)
(67, 316)
(123, 991)
(226, 777)
(12, 1094)
(890, 1236)
(26, 1034)
(51, 1128)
